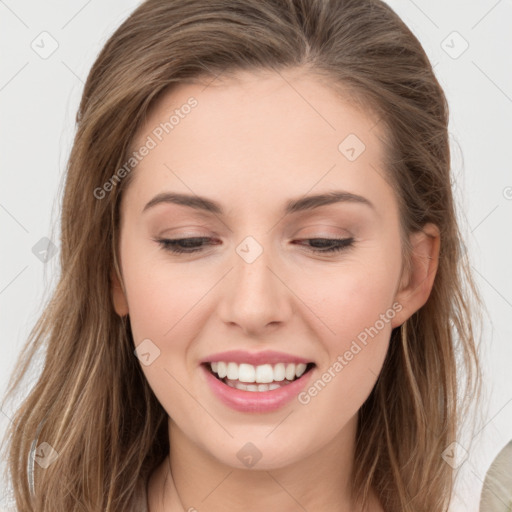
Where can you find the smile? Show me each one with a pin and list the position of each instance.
(256, 382)
(264, 377)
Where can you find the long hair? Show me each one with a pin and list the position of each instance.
(92, 403)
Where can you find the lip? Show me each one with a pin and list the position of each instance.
(255, 358)
(255, 401)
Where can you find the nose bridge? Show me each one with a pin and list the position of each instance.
(252, 266)
(256, 296)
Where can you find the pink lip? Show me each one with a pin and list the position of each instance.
(255, 358)
(255, 401)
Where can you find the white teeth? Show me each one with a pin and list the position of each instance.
(300, 369)
(253, 387)
(261, 375)
(246, 373)
(279, 372)
(232, 371)
(290, 371)
(264, 373)
(222, 369)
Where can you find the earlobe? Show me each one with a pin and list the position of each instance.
(416, 286)
(118, 295)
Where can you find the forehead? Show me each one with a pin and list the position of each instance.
(256, 136)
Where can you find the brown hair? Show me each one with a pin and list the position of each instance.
(92, 403)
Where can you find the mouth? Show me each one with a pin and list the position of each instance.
(258, 378)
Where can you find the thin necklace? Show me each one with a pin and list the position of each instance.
(172, 479)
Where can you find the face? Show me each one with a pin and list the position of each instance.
(287, 284)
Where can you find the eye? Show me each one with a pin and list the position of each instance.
(329, 245)
(183, 245)
(196, 244)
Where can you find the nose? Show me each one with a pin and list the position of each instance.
(255, 297)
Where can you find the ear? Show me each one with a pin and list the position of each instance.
(118, 294)
(418, 277)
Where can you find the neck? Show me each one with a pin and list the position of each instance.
(194, 480)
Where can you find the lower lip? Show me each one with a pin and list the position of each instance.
(255, 401)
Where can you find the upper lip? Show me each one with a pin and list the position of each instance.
(255, 358)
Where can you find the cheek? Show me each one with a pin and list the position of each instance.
(357, 309)
(357, 304)
(162, 308)
(162, 302)
(160, 295)
(352, 299)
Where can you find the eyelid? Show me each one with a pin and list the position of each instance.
(324, 225)
(196, 231)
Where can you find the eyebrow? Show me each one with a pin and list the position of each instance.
(292, 206)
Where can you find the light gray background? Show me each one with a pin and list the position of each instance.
(38, 101)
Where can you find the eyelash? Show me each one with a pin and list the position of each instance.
(171, 245)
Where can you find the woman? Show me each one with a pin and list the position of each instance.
(263, 302)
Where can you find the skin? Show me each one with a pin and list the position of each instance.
(255, 141)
